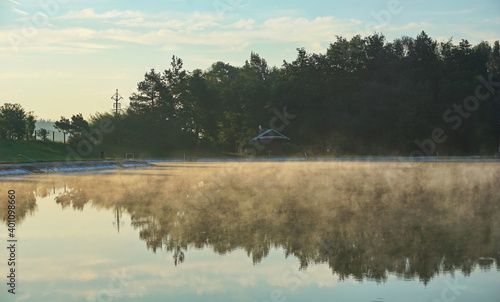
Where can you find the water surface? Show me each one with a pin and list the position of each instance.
(295, 231)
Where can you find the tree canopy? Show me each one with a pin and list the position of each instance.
(365, 95)
(15, 122)
(76, 127)
(362, 96)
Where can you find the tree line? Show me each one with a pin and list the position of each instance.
(16, 123)
(363, 96)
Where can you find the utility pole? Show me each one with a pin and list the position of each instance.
(116, 97)
(118, 215)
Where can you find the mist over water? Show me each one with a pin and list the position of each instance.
(367, 222)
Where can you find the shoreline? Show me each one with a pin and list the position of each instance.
(9, 169)
(426, 159)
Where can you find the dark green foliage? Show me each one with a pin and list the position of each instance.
(15, 123)
(77, 127)
(30, 126)
(43, 134)
(290, 148)
(363, 96)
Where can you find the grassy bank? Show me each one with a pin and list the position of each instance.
(55, 151)
(41, 151)
(36, 150)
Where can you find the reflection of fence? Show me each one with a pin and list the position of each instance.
(34, 161)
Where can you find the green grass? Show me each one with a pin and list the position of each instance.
(41, 151)
(36, 150)
(55, 151)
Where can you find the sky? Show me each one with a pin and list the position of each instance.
(63, 57)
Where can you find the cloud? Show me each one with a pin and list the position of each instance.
(134, 19)
(52, 40)
(169, 31)
(92, 46)
(320, 29)
(191, 24)
(20, 12)
(141, 19)
(89, 13)
(40, 267)
(218, 275)
(176, 32)
(248, 24)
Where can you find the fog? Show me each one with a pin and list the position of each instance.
(364, 220)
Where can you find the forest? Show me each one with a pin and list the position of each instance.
(363, 96)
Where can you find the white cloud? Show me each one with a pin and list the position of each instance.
(170, 31)
(192, 21)
(248, 24)
(222, 274)
(85, 270)
(18, 11)
(89, 13)
(198, 29)
(51, 36)
(92, 46)
(67, 50)
(179, 24)
(51, 40)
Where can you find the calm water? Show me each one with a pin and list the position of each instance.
(259, 232)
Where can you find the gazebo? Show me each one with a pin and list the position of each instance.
(272, 140)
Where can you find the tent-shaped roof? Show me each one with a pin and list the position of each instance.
(270, 134)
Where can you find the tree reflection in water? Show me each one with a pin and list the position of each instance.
(365, 220)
